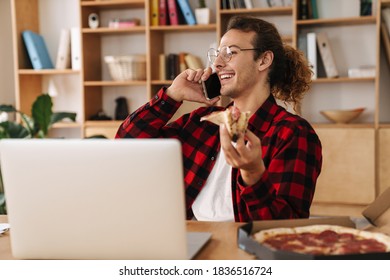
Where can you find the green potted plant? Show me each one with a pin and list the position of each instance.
(202, 13)
(36, 126)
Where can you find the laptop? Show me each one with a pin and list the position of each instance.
(96, 199)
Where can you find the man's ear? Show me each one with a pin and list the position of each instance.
(266, 60)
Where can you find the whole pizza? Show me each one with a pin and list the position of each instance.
(324, 240)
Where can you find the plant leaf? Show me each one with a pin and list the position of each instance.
(7, 108)
(14, 130)
(59, 116)
(41, 113)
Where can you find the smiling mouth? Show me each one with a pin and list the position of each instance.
(226, 76)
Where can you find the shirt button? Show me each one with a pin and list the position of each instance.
(156, 97)
(162, 102)
(212, 158)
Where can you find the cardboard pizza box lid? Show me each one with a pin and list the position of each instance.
(378, 213)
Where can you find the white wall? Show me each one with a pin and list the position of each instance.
(7, 89)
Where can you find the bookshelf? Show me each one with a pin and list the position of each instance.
(356, 157)
(31, 83)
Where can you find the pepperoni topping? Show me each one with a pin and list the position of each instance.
(325, 242)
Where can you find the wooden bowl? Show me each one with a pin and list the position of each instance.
(342, 116)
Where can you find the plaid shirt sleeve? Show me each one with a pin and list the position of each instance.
(293, 159)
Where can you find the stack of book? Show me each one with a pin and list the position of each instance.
(237, 4)
(308, 9)
(318, 51)
(171, 12)
(68, 54)
(173, 64)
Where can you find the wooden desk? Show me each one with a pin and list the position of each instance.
(222, 246)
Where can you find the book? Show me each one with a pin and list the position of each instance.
(225, 4)
(63, 53)
(162, 70)
(314, 9)
(187, 12)
(154, 12)
(302, 43)
(37, 50)
(182, 62)
(386, 40)
(326, 53)
(239, 4)
(193, 61)
(163, 13)
(386, 18)
(172, 66)
(249, 4)
(75, 48)
(172, 12)
(312, 52)
(303, 9)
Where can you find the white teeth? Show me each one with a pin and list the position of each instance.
(226, 76)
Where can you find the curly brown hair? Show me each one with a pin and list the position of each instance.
(290, 74)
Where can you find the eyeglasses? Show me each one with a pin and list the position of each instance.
(226, 53)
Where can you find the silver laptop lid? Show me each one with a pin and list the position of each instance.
(95, 199)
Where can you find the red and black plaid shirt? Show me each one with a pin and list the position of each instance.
(290, 147)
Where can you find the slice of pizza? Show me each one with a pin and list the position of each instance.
(235, 121)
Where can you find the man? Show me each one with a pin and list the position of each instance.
(271, 171)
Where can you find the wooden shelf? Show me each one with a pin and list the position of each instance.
(181, 28)
(67, 125)
(337, 21)
(114, 4)
(259, 11)
(47, 72)
(343, 80)
(107, 30)
(113, 83)
(102, 123)
(384, 125)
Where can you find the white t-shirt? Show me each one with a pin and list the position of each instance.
(214, 202)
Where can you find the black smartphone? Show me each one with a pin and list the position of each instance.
(212, 86)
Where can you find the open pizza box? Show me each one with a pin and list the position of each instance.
(376, 218)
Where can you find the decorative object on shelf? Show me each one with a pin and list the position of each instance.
(93, 20)
(100, 116)
(202, 13)
(362, 72)
(342, 116)
(124, 68)
(121, 109)
(37, 50)
(124, 23)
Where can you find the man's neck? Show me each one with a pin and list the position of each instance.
(252, 101)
